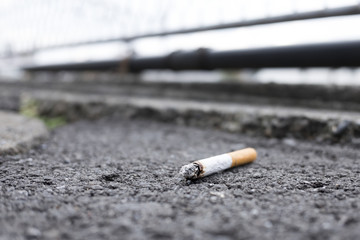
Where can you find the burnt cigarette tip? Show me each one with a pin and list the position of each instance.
(189, 171)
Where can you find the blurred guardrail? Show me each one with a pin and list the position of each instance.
(39, 25)
(310, 55)
(69, 23)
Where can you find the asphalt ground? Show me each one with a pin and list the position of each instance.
(117, 179)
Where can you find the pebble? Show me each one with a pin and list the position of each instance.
(32, 232)
(257, 175)
(213, 199)
(238, 193)
(290, 142)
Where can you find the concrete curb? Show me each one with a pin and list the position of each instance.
(307, 96)
(263, 120)
(19, 133)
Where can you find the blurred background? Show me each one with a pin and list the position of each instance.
(63, 33)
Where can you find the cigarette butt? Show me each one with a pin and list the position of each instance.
(207, 166)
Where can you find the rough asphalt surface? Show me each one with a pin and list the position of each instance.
(115, 179)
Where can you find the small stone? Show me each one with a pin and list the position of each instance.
(213, 199)
(340, 196)
(32, 232)
(250, 191)
(237, 193)
(66, 159)
(341, 128)
(96, 187)
(219, 194)
(254, 212)
(268, 224)
(320, 204)
(257, 175)
(290, 142)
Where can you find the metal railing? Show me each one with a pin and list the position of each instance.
(343, 54)
(44, 25)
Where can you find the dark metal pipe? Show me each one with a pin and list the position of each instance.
(342, 54)
(345, 54)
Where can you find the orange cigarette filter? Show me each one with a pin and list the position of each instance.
(244, 156)
(207, 166)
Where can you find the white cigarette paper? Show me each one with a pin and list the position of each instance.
(207, 166)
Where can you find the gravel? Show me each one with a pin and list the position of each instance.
(117, 179)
